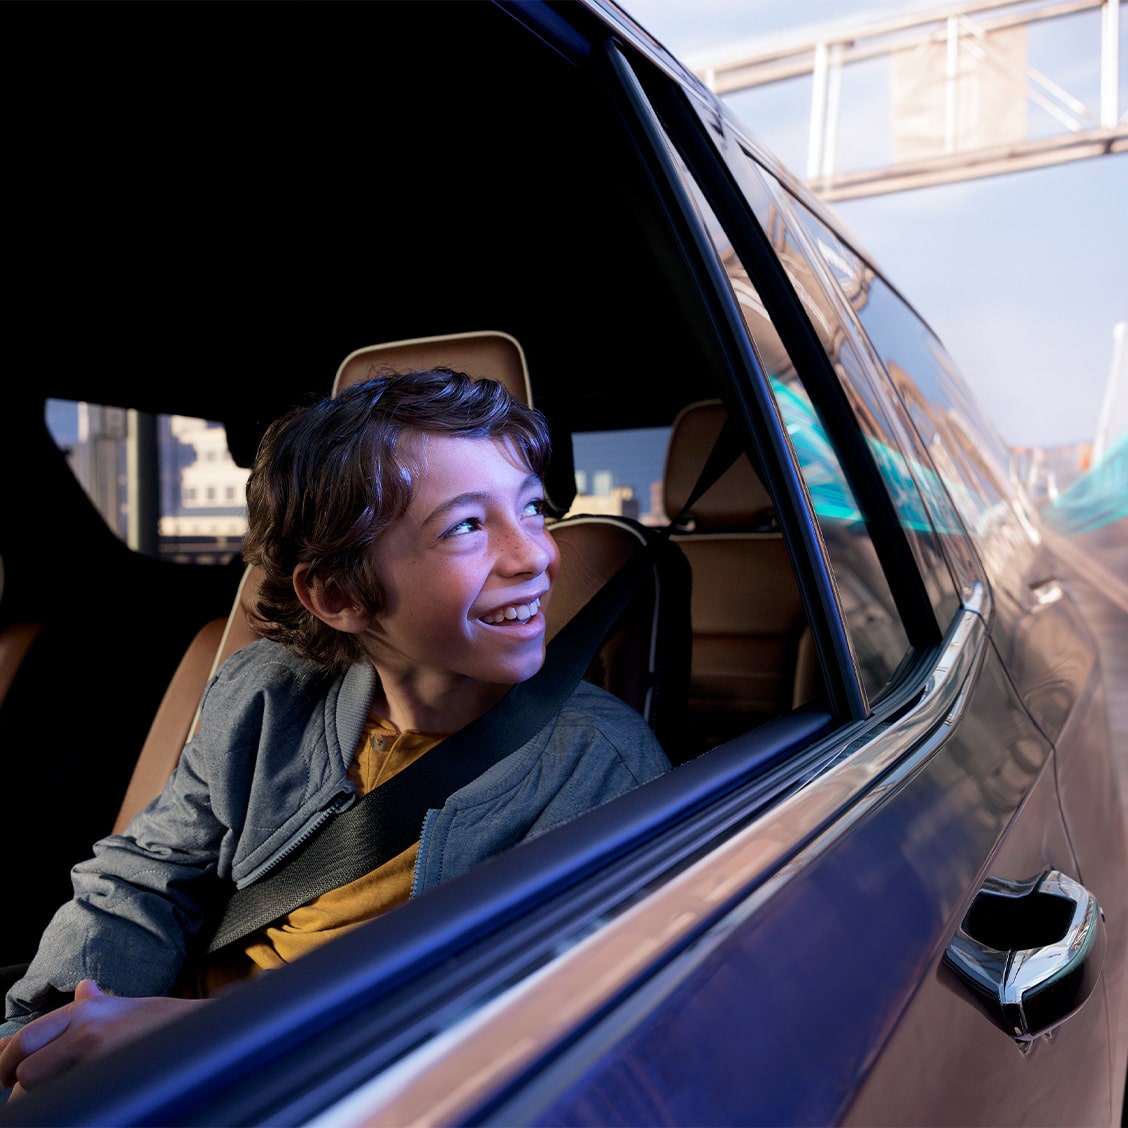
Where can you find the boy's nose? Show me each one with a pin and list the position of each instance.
(527, 552)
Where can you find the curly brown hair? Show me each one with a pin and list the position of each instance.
(328, 479)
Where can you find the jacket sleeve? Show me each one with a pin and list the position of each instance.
(143, 894)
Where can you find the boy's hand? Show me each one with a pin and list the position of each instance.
(93, 1024)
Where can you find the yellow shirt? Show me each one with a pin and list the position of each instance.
(381, 753)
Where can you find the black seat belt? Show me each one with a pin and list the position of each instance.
(386, 821)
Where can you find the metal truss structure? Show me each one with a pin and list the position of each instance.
(965, 101)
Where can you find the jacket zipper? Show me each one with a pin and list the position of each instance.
(338, 804)
(424, 833)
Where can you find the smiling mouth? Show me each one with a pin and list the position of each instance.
(515, 612)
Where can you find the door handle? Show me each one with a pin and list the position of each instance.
(1030, 952)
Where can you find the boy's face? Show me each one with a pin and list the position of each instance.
(468, 569)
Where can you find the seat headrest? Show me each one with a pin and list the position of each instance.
(736, 501)
(497, 356)
(488, 353)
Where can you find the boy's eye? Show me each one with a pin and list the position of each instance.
(533, 508)
(466, 525)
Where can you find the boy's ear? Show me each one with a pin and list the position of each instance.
(329, 603)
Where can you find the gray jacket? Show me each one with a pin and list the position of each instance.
(269, 764)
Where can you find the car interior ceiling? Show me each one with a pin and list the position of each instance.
(222, 268)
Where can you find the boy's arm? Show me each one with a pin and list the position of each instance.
(147, 892)
(136, 902)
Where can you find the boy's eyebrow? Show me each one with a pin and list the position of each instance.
(470, 496)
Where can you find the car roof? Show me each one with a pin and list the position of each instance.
(223, 263)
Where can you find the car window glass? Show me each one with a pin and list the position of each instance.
(620, 472)
(866, 293)
(165, 484)
(921, 504)
(970, 459)
(877, 635)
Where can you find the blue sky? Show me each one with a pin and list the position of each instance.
(1023, 276)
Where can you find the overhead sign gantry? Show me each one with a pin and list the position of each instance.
(964, 97)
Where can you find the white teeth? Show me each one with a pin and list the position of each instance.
(518, 611)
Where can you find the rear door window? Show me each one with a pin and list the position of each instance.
(877, 635)
(620, 472)
(922, 506)
(166, 485)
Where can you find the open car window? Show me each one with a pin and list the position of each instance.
(878, 641)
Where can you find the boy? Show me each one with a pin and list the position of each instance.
(406, 567)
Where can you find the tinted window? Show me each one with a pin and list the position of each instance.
(922, 505)
(620, 472)
(876, 633)
(961, 465)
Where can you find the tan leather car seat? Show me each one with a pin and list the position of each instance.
(746, 612)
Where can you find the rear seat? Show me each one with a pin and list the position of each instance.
(750, 661)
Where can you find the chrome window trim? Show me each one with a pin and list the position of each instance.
(445, 1080)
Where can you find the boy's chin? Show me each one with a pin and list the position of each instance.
(523, 671)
